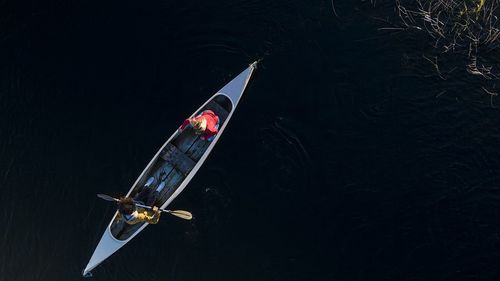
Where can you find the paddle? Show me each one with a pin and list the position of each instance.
(178, 213)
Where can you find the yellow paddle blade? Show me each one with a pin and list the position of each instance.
(181, 214)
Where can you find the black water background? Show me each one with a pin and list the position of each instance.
(347, 159)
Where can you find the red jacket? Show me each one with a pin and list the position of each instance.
(212, 122)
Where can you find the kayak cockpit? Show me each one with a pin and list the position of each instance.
(176, 160)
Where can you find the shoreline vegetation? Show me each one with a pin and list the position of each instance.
(464, 29)
(456, 26)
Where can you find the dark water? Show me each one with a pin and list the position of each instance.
(347, 158)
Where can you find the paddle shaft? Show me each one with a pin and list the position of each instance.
(148, 207)
(109, 198)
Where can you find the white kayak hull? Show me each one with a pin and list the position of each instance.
(182, 156)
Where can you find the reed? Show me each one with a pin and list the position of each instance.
(456, 26)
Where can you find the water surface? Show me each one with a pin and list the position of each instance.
(347, 158)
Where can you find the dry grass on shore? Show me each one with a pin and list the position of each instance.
(459, 26)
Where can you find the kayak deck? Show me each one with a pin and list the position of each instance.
(176, 160)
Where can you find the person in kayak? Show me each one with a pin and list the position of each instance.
(132, 214)
(205, 124)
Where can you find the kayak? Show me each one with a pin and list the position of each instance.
(174, 165)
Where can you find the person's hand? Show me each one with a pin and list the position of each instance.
(155, 209)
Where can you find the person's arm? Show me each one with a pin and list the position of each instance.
(209, 134)
(122, 218)
(149, 216)
(185, 124)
